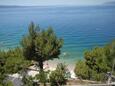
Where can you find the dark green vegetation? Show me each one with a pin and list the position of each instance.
(43, 77)
(11, 61)
(59, 76)
(41, 45)
(27, 81)
(97, 63)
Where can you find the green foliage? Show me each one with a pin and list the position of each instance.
(58, 76)
(82, 70)
(41, 45)
(11, 61)
(2, 67)
(42, 77)
(27, 81)
(15, 61)
(2, 74)
(98, 76)
(9, 83)
(98, 62)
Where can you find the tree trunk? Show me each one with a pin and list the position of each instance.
(41, 70)
(41, 65)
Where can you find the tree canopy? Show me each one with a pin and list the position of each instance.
(41, 45)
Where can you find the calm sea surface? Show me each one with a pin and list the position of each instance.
(82, 28)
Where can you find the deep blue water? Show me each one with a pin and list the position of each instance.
(82, 28)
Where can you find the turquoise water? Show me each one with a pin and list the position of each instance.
(82, 28)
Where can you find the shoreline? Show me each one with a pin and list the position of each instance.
(50, 65)
(53, 64)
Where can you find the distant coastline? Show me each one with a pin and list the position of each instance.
(102, 5)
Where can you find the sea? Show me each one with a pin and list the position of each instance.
(82, 27)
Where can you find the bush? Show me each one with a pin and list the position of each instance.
(81, 70)
(42, 77)
(58, 76)
(97, 63)
(27, 81)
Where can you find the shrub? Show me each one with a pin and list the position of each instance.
(58, 76)
(97, 63)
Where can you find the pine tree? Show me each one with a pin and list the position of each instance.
(41, 45)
